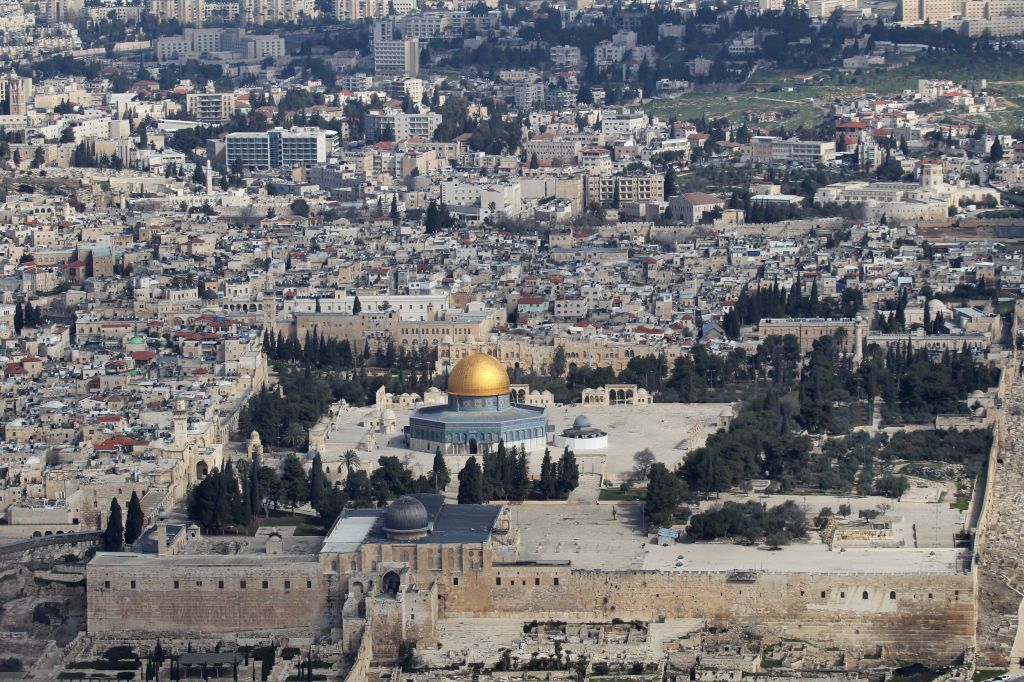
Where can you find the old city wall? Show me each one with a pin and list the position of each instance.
(364, 657)
(178, 597)
(913, 616)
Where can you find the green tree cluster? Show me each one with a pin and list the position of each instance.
(750, 522)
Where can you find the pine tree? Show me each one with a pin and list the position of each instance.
(113, 536)
(471, 481)
(293, 478)
(135, 521)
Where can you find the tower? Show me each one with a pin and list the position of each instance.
(17, 97)
(209, 178)
(180, 421)
(931, 175)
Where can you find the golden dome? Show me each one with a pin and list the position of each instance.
(478, 375)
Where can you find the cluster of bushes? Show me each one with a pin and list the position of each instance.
(751, 522)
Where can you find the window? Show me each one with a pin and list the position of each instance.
(133, 584)
(106, 584)
(536, 581)
(287, 584)
(892, 595)
(497, 581)
(929, 595)
(176, 584)
(864, 595)
(455, 581)
(842, 595)
(241, 584)
(309, 584)
(822, 595)
(265, 584)
(556, 582)
(220, 584)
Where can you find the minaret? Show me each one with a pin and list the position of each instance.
(209, 178)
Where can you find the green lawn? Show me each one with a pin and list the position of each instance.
(963, 503)
(981, 675)
(616, 495)
(733, 106)
(765, 91)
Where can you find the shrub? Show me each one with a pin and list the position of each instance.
(10, 665)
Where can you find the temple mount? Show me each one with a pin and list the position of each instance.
(479, 414)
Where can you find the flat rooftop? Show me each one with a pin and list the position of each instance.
(143, 561)
(452, 524)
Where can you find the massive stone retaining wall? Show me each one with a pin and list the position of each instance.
(199, 594)
(922, 617)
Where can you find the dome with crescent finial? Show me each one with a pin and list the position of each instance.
(478, 375)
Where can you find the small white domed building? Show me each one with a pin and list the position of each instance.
(582, 437)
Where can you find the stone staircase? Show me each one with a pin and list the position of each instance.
(662, 634)
(480, 640)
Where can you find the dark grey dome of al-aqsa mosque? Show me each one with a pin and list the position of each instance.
(406, 516)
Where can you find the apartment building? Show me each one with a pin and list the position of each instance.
(403, 126)
(565, 56)
(279, 147)
(627, 123)
(771, 149)
(210, 107)
(394, 56)
(607, 191)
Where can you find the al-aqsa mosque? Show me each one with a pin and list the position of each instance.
(479, 414)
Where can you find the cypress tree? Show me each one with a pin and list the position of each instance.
(135, 521)
(317, 482)
(548, 477)
(113, 536)
(19, 318)
(568, 473)
(439, 472)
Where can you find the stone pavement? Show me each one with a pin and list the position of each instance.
(1001, 545)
